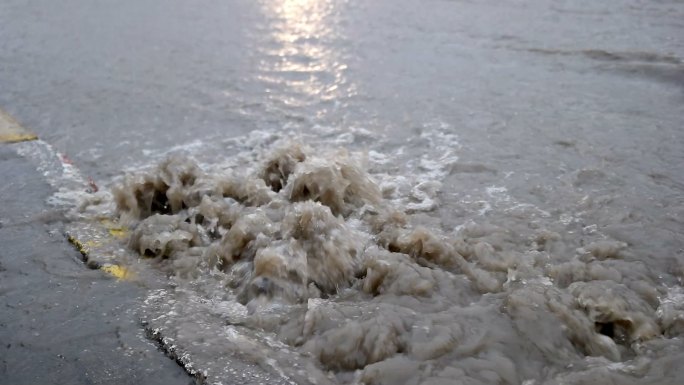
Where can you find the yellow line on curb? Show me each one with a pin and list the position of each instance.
(118, 271)
(88, 240)
(11, 131)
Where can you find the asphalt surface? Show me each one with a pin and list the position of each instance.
(60, 322)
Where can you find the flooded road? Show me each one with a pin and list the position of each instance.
(380, 192)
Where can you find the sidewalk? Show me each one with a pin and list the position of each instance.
(60, 322)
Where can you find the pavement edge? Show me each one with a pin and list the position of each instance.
(99, 242)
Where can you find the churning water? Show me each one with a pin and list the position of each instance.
(338, 258)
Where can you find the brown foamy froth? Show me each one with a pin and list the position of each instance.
(308, 262)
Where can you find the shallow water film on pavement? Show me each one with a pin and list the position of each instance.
(339, 259)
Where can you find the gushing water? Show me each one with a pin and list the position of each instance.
(324, 265)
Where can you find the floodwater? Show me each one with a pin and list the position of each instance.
(381, 192)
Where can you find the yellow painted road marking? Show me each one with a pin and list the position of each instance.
(115, 230)
(95, 241)
(11, 131)
(120, 272)
(81, 248)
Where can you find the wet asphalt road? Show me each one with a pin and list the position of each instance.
(106, 82)
(61, 323)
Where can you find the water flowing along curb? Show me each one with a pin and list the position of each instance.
(98, 242)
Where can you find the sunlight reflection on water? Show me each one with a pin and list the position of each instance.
(303, 57)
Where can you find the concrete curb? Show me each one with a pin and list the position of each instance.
(11, 131)
(98, 242)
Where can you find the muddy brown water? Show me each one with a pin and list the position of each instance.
(330, 263)
(381, 192)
